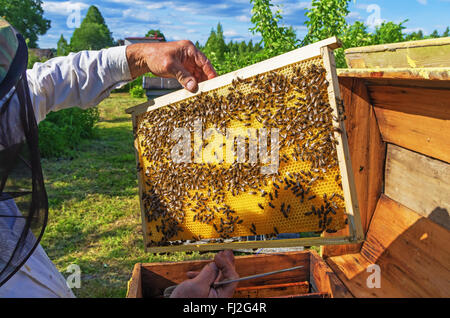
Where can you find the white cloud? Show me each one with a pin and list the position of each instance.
(424, 2)
(354, 15)
(243, 18)
(411, 30)
(230, 33)
(141, 15)
(63, 8)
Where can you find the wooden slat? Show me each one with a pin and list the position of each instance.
(422, 134)
(413, 254)
(342, 149)
(419, 183)
(414, 54)
(276, 290)
(323, 279)
(306, 241)
(367, 152)
(134, 284)
(291, 57)
(428, 102)
(436, 74)
(158, 276)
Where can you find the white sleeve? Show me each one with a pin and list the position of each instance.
(80, 79)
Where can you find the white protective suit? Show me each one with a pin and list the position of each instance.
(83, 80)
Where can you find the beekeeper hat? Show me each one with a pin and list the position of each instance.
(8, 47)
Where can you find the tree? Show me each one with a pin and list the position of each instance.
(326, 18)
(435, 34)
(446, 32)
(276, 39)
(93, 34)
(215, 45)
(389, 32)
(158, 33)
(63, 47)
(27, 17)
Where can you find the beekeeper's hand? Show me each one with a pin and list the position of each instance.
(178, 59)
(200, 284)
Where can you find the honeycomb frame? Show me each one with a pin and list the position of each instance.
(319, 53)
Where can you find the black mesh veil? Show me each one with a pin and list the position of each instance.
(23, 199)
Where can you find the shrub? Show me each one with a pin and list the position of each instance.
(137, 92)
(62, 131)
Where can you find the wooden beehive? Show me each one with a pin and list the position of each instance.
(314, 280)
(397, 100)
(171, 193)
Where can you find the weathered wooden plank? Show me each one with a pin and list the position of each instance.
(342, 149)
(412, 252)
(419, 183)
(413, 54)
(135, 283)
(291, 57)
(428, 102)
(423, 134)
(159, 276)
(323, 279)
(429, 74)
(276, 290)
(306, 241)
(367, 152)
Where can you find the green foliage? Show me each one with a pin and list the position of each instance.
(446, 32)
(275, 39)
(27, 17)
(33, 58)
(137, 91)
(93, 34)
(326, 18)
(152, 33)
(63, 47)
(62, 131)
(215, 46)
(388, 32)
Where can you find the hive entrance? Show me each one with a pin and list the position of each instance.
(280, 175)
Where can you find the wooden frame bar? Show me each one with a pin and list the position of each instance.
(320, 49)
(150, 279)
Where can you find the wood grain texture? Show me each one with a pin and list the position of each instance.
(412, 252)
(419, 183)
(323, 279)
(367, 152)
(414, 54)
(432, 73)
(158, 276)
(429, 102)
(355, 228)
(295, 242)
(277, 290)
(423, 134)
(273, 63)
(135, 283)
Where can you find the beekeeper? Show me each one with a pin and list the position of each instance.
(82, 79)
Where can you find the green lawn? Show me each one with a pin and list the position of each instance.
(94, 216)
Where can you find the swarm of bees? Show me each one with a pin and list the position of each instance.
(191, 201)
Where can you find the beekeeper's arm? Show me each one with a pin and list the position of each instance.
(85, 78)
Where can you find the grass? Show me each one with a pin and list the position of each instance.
(94, 215)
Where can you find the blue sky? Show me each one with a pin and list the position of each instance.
(193, 19)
